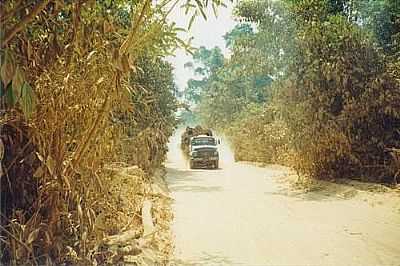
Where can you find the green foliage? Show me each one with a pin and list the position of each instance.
(152, 120)
(208, 63)
(383, 19)
(211, 60)
(18, 93)
(332, 105)
(28, 103)
(189, 118)
(227, 87)
(240, 32)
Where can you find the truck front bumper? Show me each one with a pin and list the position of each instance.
(210, 159)
(204, 162)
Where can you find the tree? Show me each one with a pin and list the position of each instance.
(333, 69)
(334, 90)
(207, 62)
(241, 31)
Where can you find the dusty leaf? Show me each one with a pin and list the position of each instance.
(7, 69)
(50, 164)
(17, 83)
(2, 89)
(125, 64)
(39, 172)
(40, 157)
(27, 100)
(80, 212)
(1, 149)
(29, 50)
(106, 27)
(9, 95)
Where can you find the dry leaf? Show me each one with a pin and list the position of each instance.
(32, 236)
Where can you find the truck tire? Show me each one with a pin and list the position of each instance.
(216, 165)
(191, 165)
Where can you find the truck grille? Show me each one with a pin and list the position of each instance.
(205, 152)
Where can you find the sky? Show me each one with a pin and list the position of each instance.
(208, 33)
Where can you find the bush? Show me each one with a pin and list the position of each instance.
(346, 92)
(257, 135)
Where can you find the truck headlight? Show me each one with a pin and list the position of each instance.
(194, 153)
(215, 153)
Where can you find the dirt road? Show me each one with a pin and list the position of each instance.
(242, 214)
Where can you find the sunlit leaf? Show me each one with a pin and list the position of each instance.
(32, 236)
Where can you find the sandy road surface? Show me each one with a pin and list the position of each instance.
(247, 215)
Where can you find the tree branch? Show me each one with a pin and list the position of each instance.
(22, 24)
(6, 16)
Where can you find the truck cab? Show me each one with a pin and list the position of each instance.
(204, 152)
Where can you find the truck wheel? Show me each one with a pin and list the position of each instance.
(216, 165)
(191, 165)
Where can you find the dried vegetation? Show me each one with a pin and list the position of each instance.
(85, 93)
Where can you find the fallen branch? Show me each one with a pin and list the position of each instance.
(147, 219)
(124, 238)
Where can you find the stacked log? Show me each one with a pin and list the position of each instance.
(191, 132)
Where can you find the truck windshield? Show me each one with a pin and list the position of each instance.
(203, 141)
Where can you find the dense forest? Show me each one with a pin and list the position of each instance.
(312, 84)
(85, 89)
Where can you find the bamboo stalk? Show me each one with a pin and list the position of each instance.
(134, 30)
(83, 147)
(85, 143)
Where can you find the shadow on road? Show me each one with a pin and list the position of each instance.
(183, 180)
(321, 192)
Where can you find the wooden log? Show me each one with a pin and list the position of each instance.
(147, 219)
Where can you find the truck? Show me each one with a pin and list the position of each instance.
(200, 146)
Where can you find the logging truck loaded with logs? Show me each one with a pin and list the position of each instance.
(201, 147)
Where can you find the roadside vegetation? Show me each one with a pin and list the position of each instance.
(313, 84)
(87, 107)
